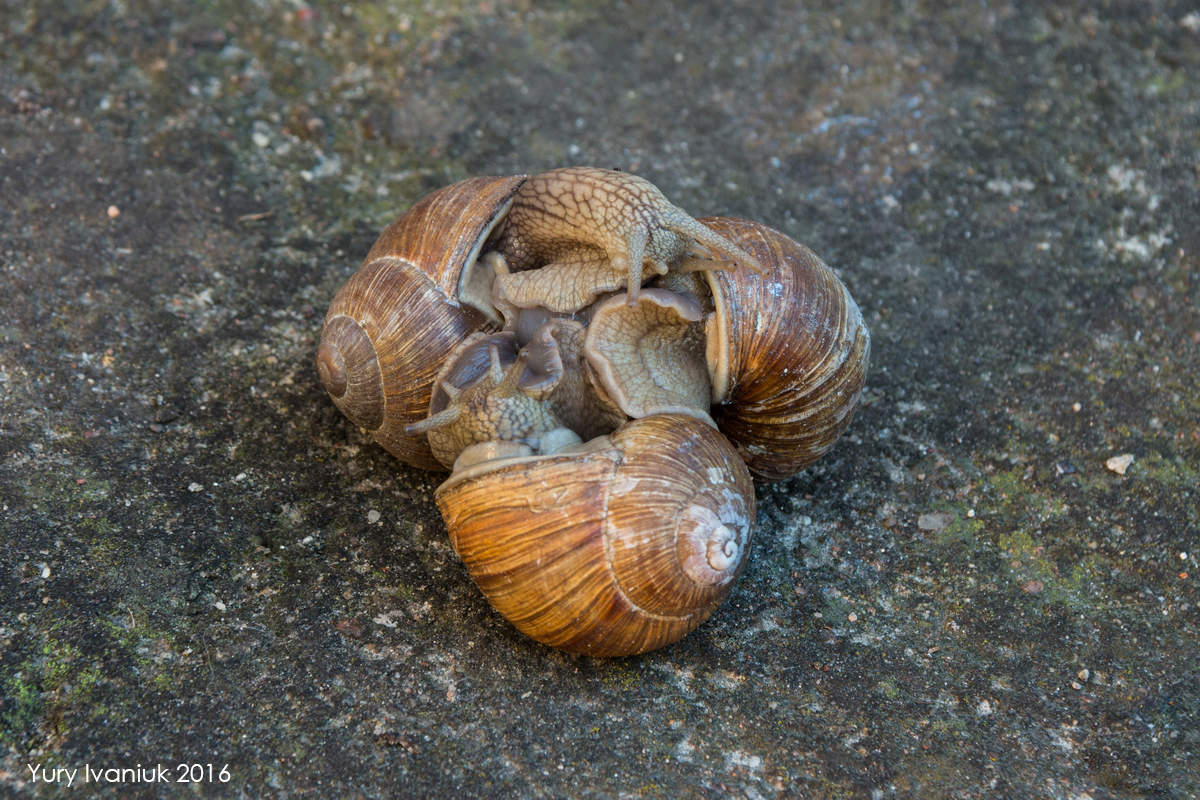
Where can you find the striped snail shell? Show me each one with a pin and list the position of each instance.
(395, 321)
(787, 352)
(616, 547)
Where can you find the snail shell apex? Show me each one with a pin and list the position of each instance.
(617, 549)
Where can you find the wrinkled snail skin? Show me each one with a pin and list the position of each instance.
(589, 231)
(623, 546)
(795, 352)
(393, 324)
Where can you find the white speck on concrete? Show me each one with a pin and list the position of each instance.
(1006, 188)
(1119, 464)
(736, 758)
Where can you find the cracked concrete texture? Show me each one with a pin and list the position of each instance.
(203, 562)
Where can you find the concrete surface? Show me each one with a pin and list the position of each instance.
(204, 563)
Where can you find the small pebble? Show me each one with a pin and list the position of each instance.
(1083, 675)
(1119, 464)
(195, 487)
(1077, 407)
(1076, 685)
(373, 516)
(113, 212)
(935, 521)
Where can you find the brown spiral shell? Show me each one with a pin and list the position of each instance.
(392, 325)
(618, 549)
(796, 352)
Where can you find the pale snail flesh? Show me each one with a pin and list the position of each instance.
(590, 231)
(588, 376)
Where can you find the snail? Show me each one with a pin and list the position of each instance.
(603, 374)
(393, 323)
(787, 350)
(615, 547)
(610, 546)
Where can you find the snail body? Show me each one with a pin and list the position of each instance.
(592, 230)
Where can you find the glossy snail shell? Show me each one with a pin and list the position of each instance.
(618, 549)
(394, 322)
(796, 352)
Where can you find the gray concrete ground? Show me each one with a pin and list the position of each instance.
(204, 563)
